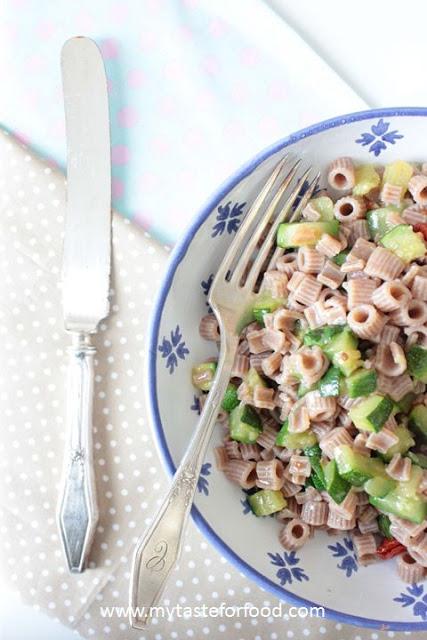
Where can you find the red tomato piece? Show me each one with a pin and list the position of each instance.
(390, 548)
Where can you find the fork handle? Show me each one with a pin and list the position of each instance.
(77, 510)
(158, 549)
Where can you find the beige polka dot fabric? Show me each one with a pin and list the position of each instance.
(129, 476)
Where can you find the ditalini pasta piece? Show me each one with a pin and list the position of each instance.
(368, 527)
(310, 260)
(299, 420)
(399, 468)
(400, 386)
(256, 341)
(382, 441)
(390, 333)
(308, 289)
(311, 364)
(208, 327)
(300, 465)
(242, 472)
(333, 439)
(362, 249)
(271, 364)
(349, 209)
(249, 451)
(366, 321)
(360, 291)
(287, 264)
(285, 319)
(275, 340)
(270, 474)
(383, 264)
(310, 213)
(221, 458)
(294, 534)
(338, 521)
(417, 187)
(315, 513)
(240, 366)
(341, 174)
(390, 359)
(414, 312)
(365, 548)
(347, 508)
(409, 570)
(359, 231)
(328, 246)
(232, 449)
(331, 275)
(290, 489)
(419, 288)
(263, 397)
(276, 283)
(418, 548)
(292, 509)
(319, 408)
(414, 215)
(390, 296)
(391, 194)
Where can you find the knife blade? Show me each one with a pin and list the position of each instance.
(86, 275)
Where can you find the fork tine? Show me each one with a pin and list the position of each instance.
(259, 230)
(271, 236)
(241, 234)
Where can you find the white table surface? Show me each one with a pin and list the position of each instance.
(380, 52)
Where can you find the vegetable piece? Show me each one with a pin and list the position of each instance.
(404, 501)
(342, 350)
(418, 458)
(390, 549)
(366, 179)
(418, 422)
(304, 234)
(203, 375)
(380, 221)
(417, 362)
(314, 453)
(253, 379)
(404, 243)
(266, 502)
(245, 424)
(321, 337)
(362, 382)
(294, 440)
(405, 442)
(384, 523)
(303, 389)
(324, 207)
(356, 468)
(230, 399)
(379, 487)
(372, 413)
(330, 384)
(404, 405)
(336, 486)
(398, 173)
(341, 257)
(266, 304)
(421, 227)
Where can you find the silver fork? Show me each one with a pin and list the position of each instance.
(231, 296)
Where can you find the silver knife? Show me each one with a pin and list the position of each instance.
(86, 276)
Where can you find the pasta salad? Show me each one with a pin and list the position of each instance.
(325, 415)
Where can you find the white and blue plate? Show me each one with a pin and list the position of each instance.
(325, 572)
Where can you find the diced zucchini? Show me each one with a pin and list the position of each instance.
(398, 173)
(321, 337)
(342, 350)
(230, 399)
(314, 453)
(324, 207)
(305, 234)
(380, 221)
(341, 257)
(418, 458)
(336, 486)
(384, 523)
(417, 362)
(379, 487)
(356, 468)
(404, 243)
(366, 179)
(245, 424)
(362, 382)
(330, 384)
(405, 442)
(266, 502)
(404, 405)
(418, 422)
(203, 375)
(372, 413)
(404, 501)
(266, 304)
(253, 379)
(294, 440)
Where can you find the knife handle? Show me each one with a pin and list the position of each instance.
(78, 512)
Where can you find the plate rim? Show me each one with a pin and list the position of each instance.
(175, 259)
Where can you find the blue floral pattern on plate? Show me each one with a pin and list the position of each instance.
(203, 482)
(288, 571)
(173, 348)
(379, 137)
(196, 405)
(415, 597)
(228, 218)
(206, 287)
(345, 551)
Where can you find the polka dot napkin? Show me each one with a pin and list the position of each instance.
(129, 477)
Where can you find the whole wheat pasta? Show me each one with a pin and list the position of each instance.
(382, 441)
(245, 393)
(422, 487)
(242, 472)
(263, 397)
(390, 296)
(320, 429)
(349, 209)
(311, 364)
(271, 364)
(290, 489)
(270, 474)
(333, 439)
(310, 260)
(240, 366)
(365, 548)
(331, 275)
(208, 327)
(419, 288)
(368, 527)
(309, 495)
(267, 454)
(307, 291)
(414, 312)
(414, 215)
(400, 386)
(295, 280)
(360, 291)
(367, 514)
(276, 283)
(362, 249)
(409, 275)
(337, 521)
(221, 458)
(417, 187)
(256, 360)
(328, 246)
(285, 319)
(275, 340)
(383, 264)
(315, 513)
(315, 315)
(294, 534)
(418, 549)
(300, 465)
(341, 174)
(232, 449)
(310, 213)
(390, 333)
(256, 341)
(299, 420)
(409, 570)
(287, 263)
(359, 231)
(390, 359)
(292, 509)
(391, 194)
(365, 321)
(319, 408)
(347, 508)
(243, 348)
(352, 265)
(250, 451)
